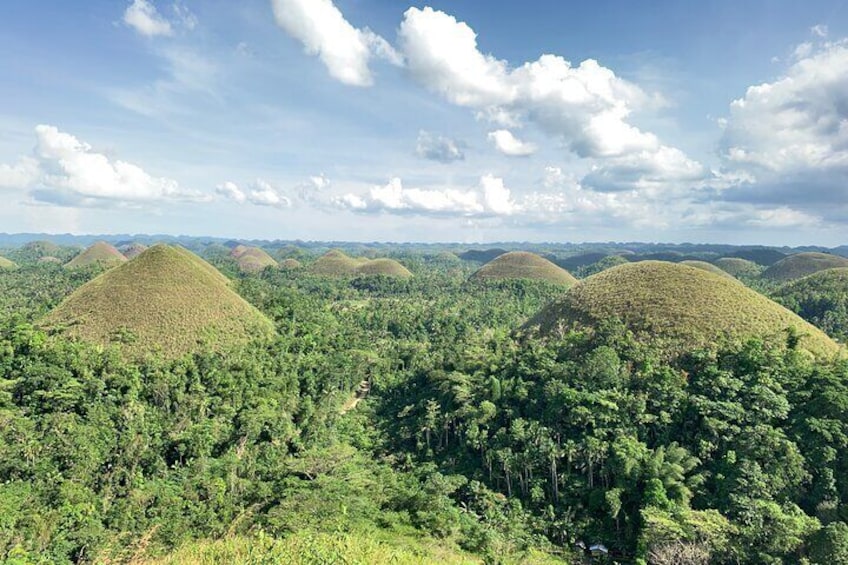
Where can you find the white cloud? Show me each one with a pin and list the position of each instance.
(324, 31)
(232, 191)
(64, 170)
(819, 30)
(509, 145)
(438, 148)
(143, 17)
(496, 197)
(259, 193)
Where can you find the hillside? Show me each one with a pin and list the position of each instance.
(709, 267)
(481, 256)
(167, 300)
(6, 264)
(101, 253)
(290, 264)
(821, 299)
(385, 267)
(523, 265)
(738, 267)
(334, 264)
(803, 264)
(132, 250)
(676, 307)
(252, 259)
(761, 256)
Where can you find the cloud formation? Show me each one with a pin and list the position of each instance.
(143, 17)
(509, 145)
(322, 29)
(64, 170)
(259, 193)
(438, 148)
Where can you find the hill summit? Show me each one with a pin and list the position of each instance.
(166, 300)
(252, 259)
(523, 265)
(384, 266)
(675, 307)
(803, 264)
(101, 253)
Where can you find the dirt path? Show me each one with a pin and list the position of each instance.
(361, 392)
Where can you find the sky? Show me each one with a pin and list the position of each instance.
(463, 121)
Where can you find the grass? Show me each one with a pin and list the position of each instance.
(290, 264)
(133, 250)
(101, 253)
(334, 264)
(709, 267)
(42, 248)
(677, 308)
(803, 264)
(166, 300)
(386, 267)
(738, 267)
(6, 264)
(523, 265)
(252, 259)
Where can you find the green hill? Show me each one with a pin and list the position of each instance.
(252, 259)
(675, 307)
(709, 267)
(385, 267)
(760, 256)
(132, 250)
(101, 253)
(6, 264)
(803, 264)
(42, 248)
(738, 267)
(290, 263)
(334, 264)
(523, 265)
(167, 299)
(821, 299)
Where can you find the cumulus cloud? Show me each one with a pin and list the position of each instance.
(323, 30)
(490, 198)
(259, 193)
(509, 145)
(143, 17)
(438, 148)
(64, 170)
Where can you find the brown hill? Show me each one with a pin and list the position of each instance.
(523, 265)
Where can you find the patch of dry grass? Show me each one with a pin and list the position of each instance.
(386, 267)
(101, 253)
(803, 264)
(523, 265)
(252, 259)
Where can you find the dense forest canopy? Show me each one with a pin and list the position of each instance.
(408, 419)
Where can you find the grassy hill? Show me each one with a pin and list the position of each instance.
(101, 253)
(132, 250)
(523, 265)
(709, 267)
(481, 256)
(41, 248)
(290, 263)
(821, 299)
(803, 264)
(252, 259)
(6, 264)
(167, 300)
(676, 307)
(738, 267)
(765, 257)
(385, 267)
(334, 264)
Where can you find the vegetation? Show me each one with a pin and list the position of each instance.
(709, 267)
(803, 264)
(101, 254)
(523, 265)
(739, 268)
(821, 299)
(677, 308)
(167, 300)
(761, 256)
(290, 264)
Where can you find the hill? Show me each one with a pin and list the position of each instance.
(761, 256)
(803, 264)
(334, 264)
(132, 250)
(101, 253)
(41, 248)
(481, 256)
(290, 263)
(676, 307)
(821, 299)
(523, 265)
(49, 259)
(709, 267)
(252, 259)
(385, 267)
(167, 299)
(738, 267)
(6, 264)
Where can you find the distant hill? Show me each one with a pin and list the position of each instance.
(738, 267)
(100, 253)
(252, 259)
(803, 264)
(290, 264)
(675, 307)
(576, 261)
(42, 248)
(334, 264)
(385, 267)
(523, 265)
(821, 299)
(481, 256)
(764, 256)
(709, 267)
(167, 300)
(132, 250)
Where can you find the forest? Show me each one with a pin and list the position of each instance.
(419, 415)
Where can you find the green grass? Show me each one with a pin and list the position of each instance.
(386, 267)
(334, 264)
(6, 264)
(42, 248)
(677, 308)
(101, 253)
(523, 265)
(290, 264)
(252, 259)
(803, 264)
(166, 300)
(709, 267)
(738, 267)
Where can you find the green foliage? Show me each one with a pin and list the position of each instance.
(821, 299)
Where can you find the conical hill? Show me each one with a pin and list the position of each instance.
(803, 264)
(166, 300)
(523, 265)
(101, 253)
(675, 307)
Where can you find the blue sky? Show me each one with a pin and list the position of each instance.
(446, 121)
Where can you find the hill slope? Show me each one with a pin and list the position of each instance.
(252, 259)
(334, 264)
(709, 267)
(821, 299)
(132, 250)
(738, 267)
(676, 307)
(6, 264)
(385, 267)
(803, 264)
(101, 253)
(167, 299)
(523, 265)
